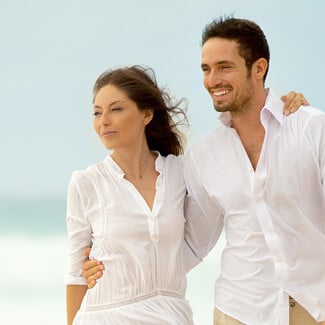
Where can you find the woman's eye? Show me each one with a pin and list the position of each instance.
(96, 113)
(114, 109)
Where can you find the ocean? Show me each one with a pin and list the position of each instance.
(33, 243)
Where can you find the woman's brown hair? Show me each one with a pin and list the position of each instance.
(140, 85)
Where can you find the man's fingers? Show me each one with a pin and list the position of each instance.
(92, 280)
(87, 251)
(90, 264)
(91, 284)
(92, 271)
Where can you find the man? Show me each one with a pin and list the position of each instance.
(247, 177)
(259, 176)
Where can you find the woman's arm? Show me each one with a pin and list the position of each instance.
(79, 237)
(74, 296)
(292, 101)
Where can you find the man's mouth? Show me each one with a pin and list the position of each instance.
(219, 93)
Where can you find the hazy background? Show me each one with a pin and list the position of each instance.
(50, 55)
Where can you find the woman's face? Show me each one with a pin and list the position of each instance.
(117, 119)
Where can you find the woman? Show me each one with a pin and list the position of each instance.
(130, 209)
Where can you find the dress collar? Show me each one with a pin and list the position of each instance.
(110, 163)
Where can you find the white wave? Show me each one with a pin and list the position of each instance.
(32, 289)
(31, 281)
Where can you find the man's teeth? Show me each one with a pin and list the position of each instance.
(220, 92)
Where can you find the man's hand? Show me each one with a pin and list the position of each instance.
(292, 101)
(92, 269)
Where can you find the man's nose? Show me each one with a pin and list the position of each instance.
(213, 78)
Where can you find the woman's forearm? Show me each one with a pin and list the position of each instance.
(74, 296)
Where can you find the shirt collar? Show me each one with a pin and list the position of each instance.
(116, 169)
(273, 105)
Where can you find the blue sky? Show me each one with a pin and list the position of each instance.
(52, 51)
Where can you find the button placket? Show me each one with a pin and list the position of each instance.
(153, 228)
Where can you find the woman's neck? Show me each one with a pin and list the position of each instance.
(135, 163)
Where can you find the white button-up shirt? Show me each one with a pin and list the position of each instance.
(273, 217)
(142, 248)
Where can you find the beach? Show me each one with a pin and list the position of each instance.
(33, 241)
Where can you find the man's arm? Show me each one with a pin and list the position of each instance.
(204, 217)
(92, 269)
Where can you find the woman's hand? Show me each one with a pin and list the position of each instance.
(92, 269)
(292, 101)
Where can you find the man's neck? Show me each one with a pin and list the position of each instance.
(249, 119)
(250, 129)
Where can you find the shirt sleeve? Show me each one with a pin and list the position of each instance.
(204, 217)
(190, 258)
(79, 234)
(316, 128)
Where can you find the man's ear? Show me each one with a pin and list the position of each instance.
(260, 68)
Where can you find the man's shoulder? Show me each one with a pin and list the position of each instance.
(304, 115)
(208, 139)
(209, 144)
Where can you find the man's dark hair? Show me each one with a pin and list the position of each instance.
(251, 40)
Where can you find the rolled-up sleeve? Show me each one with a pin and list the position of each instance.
(79, 233)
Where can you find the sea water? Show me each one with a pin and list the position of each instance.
(32, 246)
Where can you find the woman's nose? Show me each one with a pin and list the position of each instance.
(105, 118)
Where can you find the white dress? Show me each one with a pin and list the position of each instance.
(144, 280)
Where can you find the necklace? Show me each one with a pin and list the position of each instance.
(141, 172)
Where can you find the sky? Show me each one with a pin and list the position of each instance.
(52, 52)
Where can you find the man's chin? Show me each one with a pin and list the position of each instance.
(221, 109)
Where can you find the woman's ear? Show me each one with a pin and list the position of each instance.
(148, 115)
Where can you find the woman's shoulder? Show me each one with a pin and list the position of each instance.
(88, 174)
(170, 162)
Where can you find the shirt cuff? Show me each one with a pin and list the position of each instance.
(74, 280)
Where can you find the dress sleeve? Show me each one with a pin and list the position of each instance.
(79, 233)
(204, 217)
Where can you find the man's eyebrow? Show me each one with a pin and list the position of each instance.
(217, 63)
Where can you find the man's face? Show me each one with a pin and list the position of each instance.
(225, 76)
